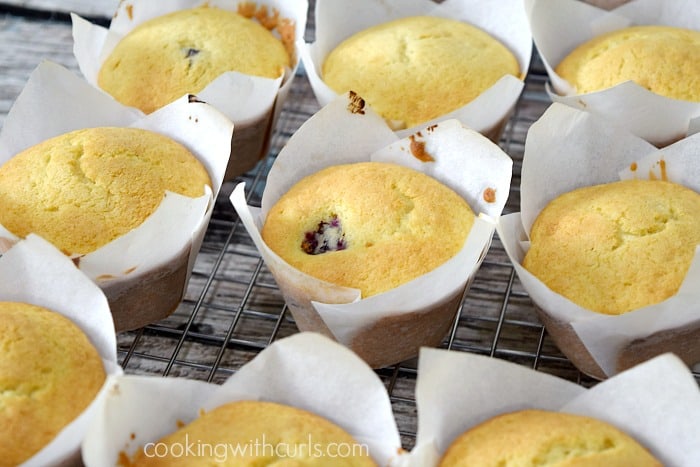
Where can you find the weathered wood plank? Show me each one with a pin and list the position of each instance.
(91, 8)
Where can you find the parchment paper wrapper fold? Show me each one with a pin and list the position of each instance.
(252, 103)
(306, 370)
(657, 403)
(506, 21)
(558, 26)
(386, 328)
(33, 271)
(568, 149)
(143, 273)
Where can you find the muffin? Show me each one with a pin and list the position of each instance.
(49, 374)
(415, 69)
(361, 163)
(616, 247)
(83, 189)
(182, 52)
(151, 55)
(537, 437)
(372, 226)
(662, 59)
(368, 225)
(265, 433)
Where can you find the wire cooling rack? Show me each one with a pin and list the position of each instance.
(233, 308)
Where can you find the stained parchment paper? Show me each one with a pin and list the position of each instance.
(306, 370)
(253, 103)
(336, 21)
(568, 149)
(657, 402)
(463, 159)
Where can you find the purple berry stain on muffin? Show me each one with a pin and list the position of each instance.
(191, 52)
(328, 236)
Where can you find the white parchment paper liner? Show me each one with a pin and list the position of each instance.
(558, 26)
(567, 149)
(657, 402)
(245, 99)
(55, 101)
(34, 271)
(336, 21)
(306, 370)
(464, 160)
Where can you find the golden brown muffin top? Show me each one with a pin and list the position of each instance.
(182, 52)
(531, 438)
(663, 59)
(49, 374)
(265, 433)
(418, 68)
(369, 225)
(83, 189)
(616, 247)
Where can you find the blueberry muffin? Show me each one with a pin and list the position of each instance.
(415, 69)
(180, 53)
(662, 59)
(369, 225)
(616, 247)
(83, 189)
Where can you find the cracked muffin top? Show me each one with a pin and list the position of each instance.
(83, 189)
(616, 247)
(418, 68)
(49, 374)
(180, 53)
(662, 59)
(369, 225)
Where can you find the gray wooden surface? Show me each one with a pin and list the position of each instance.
(232, 308)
